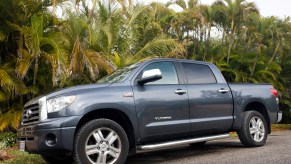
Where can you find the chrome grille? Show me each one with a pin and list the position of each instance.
(30, 114)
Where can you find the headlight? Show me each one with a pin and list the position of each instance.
(59, 103)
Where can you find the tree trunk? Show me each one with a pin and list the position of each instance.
(256, 61)
(231, 41)
(229, 48)
(255, 65)
(35, 70)
(92, 10)
(273, 56)
(207, 47)
(223, 35)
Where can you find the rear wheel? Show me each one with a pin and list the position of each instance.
(253, 132)
(101, 141)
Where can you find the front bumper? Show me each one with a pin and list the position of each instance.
(279, 116)
(49, 137)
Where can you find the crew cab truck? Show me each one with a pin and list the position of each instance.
(148, 105)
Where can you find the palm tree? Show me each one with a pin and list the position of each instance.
(235, 11)
(32, 49)
(146, 34)
(76, 41)
(10, 89)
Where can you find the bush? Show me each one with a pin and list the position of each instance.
(2, 145)
(8, 139)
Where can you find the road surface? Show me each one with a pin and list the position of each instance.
(277, 150)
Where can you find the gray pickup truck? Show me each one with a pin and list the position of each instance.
(146, 106)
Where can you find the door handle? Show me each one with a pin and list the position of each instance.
(223, 91)
(180, 91)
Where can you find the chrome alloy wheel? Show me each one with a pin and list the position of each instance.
(257, 129)
(103, 146)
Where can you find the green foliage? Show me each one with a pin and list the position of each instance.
(20, 157)
(10, 119)
(8, 139)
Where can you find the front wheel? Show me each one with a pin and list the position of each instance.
(253, 132)
(101, 141)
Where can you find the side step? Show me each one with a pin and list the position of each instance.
(180, 142)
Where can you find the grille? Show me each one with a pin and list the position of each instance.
(30, 114)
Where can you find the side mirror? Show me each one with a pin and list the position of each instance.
(150, 76)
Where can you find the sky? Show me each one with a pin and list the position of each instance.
(279, 8)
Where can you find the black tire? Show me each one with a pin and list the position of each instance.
(58, 159)
(249, 138)
(86, 136)
(198, 144)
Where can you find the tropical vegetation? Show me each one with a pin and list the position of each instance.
(50, 44)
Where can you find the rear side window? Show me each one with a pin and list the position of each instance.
(198, 74)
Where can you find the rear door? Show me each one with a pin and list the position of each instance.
(211, 106)
(162, 106)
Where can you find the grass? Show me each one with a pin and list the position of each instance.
(280, 127)
(20, 157)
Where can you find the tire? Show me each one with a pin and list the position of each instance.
(254, 129)
(60, 159)
(106, 142)
(198, 144)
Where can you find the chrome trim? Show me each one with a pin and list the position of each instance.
(30, 114)
(180, 91)
(42, 108)
(180, 142)
(150, 73)
(279, 116)
(223, 90)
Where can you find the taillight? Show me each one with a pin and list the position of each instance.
(274, 92)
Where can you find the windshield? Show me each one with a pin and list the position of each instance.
(119, 75)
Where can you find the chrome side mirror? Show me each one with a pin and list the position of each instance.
(150, 76)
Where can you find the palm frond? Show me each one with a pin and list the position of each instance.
(23, 62)
(8, 81)
(160, 46)
(10, 119)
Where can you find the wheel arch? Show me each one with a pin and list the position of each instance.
(261, 108)
(115, 115)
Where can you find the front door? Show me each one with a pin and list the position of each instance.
(162, 106)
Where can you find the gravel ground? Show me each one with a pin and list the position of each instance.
(277, 150)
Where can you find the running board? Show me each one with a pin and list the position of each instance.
(180, 142)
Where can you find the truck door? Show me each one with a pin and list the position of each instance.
(162, 106)
(211, 106)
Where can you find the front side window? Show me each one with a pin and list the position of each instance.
(169, 74)
(198, 74)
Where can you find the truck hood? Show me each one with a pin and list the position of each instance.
(74, 89)
(67, 91)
